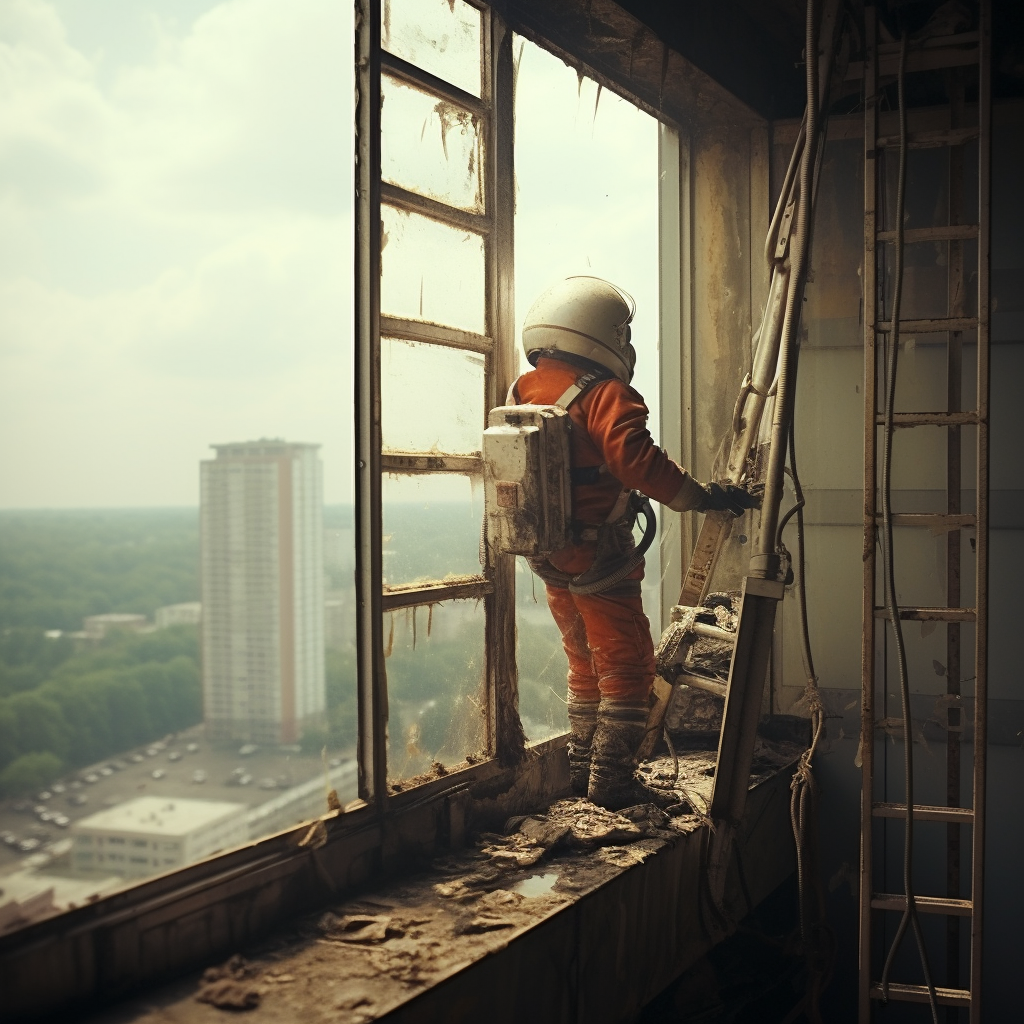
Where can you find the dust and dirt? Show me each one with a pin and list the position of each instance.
(357, 959)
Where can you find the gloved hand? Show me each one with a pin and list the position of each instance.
(729, 498)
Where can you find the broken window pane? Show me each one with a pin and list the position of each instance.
(540, 659)
(431, 271)
(432, 524)
(431, 146)
(415, 417)
(440, 36)
(437, 697)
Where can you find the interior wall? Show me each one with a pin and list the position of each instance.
(723, 216)
(829, 425)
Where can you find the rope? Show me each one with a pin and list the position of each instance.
(910, 915)
(817, 939)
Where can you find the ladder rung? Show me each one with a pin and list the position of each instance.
(919, 994)
(714, 686)
(942, 323)
(946, 233)
(931, 140)
(925, 812)
(934, 43)
(941, 52)
(926, 904)
(931, 614)
(929, 419)
(941, 521)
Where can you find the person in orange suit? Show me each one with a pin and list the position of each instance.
(577, 338)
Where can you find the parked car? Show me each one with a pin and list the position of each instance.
(174, 755)
(199, 775)
(158, 773)
(247, 749)
(8, 839)
(268, 783)
(44, 796)
(58, 788)
(77, 799)
(192, 747)
(244, 780)
(92, 778)
(28, 845)
(136, 759)
(61, 820)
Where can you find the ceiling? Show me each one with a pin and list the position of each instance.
(754, 47)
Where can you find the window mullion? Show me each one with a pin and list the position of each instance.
(371, 680)
(434, 334)
(395, 195)
(412, 75)
(507, 739)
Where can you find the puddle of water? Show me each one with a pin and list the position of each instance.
(536, 885)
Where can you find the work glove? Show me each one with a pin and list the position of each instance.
(729, 498)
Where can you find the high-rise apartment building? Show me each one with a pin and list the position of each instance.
(262, 590)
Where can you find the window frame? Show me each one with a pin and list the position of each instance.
(495, 586)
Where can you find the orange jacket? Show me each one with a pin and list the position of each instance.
(610, 429)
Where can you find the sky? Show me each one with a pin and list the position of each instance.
(175, 235)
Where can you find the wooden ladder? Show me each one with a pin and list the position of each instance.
(953, 52)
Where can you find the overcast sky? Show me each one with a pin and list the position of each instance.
(175, 235)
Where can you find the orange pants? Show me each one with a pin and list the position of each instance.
(607, 639)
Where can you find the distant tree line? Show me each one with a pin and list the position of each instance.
(57, 566)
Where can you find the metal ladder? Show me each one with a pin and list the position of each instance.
(961, 51)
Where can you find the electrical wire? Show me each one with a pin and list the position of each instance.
(817, 938)
(910, 915)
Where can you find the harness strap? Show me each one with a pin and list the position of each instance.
(578, 386)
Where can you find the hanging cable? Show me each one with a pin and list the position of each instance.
(910, 915)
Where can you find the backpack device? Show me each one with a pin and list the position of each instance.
(528, 474)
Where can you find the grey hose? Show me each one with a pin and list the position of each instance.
(585, 587)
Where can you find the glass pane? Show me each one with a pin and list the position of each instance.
(432, 525)
(541, 661)
(416, 418)
(437, 695)
(579, 211)
(175, 622)
(431, 146)
(431, 271)
(440, 36)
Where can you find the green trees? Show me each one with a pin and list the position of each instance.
(131, 689)
(28, 772)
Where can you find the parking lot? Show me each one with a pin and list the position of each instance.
(183, 765)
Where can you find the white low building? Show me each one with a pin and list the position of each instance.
(189, 613)
(96, 627)
(151, 835)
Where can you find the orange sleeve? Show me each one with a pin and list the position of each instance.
(617, 423)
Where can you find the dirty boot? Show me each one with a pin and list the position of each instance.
(582, 722)
(613, 784)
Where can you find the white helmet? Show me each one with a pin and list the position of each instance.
(583, 316)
